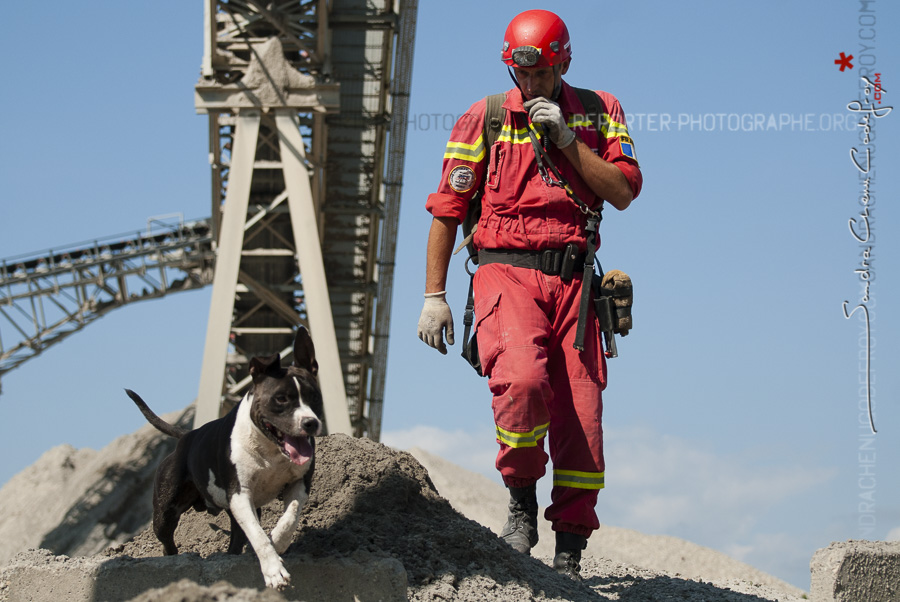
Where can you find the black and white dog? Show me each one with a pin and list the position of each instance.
(242, 461)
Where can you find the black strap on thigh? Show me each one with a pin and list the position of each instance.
(591, 229)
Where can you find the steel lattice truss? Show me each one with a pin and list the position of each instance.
(45, 297)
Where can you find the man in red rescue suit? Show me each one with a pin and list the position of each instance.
(526, 319)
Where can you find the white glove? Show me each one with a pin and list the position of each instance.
(434, 319)
(547, 113)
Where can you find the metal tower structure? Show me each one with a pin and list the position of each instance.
(307, 105)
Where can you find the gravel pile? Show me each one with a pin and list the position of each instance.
(367, 496)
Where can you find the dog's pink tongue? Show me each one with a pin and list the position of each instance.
(299, 449)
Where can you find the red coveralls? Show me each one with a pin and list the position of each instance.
(526, 320)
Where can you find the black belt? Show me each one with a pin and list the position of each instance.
(549, 261)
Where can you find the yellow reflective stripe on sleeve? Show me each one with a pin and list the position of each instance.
(608, 127)
(612, 129)
(466, 152)
(577, 479)
(528, 439)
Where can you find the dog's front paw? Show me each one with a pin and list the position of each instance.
(276, 576)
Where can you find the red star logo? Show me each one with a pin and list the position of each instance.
(844, 61)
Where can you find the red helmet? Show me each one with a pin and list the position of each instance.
(536, 38)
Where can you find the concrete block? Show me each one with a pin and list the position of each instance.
(856, 571)
(39, 576)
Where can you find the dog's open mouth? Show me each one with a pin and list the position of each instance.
(296, 447)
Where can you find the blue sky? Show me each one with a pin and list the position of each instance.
(732, 415)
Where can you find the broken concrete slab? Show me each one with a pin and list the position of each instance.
(38, 575)
(856, 571)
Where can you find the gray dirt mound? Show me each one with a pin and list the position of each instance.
(366, 496)
(88, 499)
(369, 497)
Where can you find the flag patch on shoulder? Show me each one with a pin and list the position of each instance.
(626, 145)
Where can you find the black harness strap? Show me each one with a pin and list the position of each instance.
(470, 345)
(593, 224)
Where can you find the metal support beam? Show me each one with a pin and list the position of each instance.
(308, 254)
(228, 261)
(312, 269)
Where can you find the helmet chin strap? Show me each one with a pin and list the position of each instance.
(516, 82)
(558, 87)
(557, 90)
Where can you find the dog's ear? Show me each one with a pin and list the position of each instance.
(304, 352)
(265, 366)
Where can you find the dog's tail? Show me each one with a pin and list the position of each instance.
(160, 424)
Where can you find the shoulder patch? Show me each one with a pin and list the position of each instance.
(461, 178)
(626, 145)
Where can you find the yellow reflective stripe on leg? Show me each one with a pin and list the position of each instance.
(577, 479)
(527, 439)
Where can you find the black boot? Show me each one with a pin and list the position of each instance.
(520, 530)
(568, 554)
